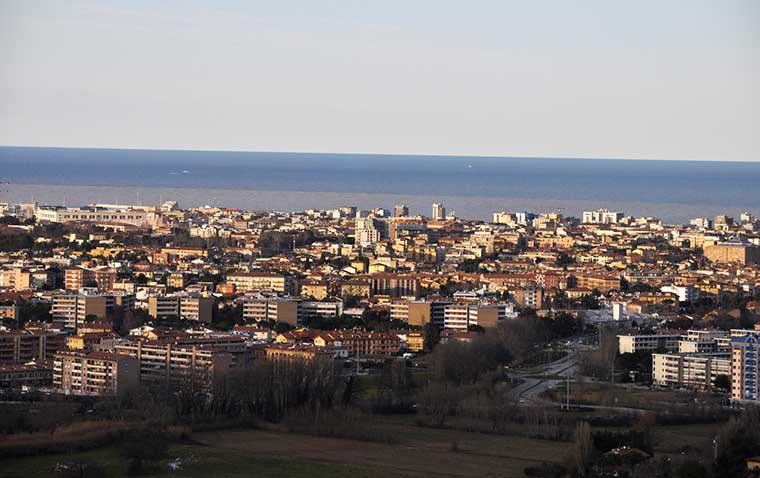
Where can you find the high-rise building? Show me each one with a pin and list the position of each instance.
(439, 212)
(400, 210)
(745, 366)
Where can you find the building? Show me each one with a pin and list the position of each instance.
(15, 376)
(400, 210)
(26, 346)
(394, 285)
(9, 312)
(280, 353)
(95, 373)
(685, 293)
(529, 296)
(602, 282)
(94, 214)
(735, 251)
(630, 344)
(276, 309)
(462, 316)
(312, 309)
(162, 363)
(71, 309)
(689, 370)
(187, 307)
(262, 281)
(76, 278)
(439, 212)
(370, 230)
(602, 216)
(419, 312)
(315, 288)
(745, 367)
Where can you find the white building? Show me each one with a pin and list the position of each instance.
(602, 216)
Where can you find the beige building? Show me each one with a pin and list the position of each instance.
(462, 316)
(196, 308)
(162, 363)
(70, 309)
(419, 313)
(733, 252)
(689, 370)
(276, 309)
(123, 215)
(259, 281)
(95, 373)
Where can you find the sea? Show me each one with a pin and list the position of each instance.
(470, 187)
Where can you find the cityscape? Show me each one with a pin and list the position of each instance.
(379, 239)
(530, 325)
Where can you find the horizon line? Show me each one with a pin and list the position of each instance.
(353, 153)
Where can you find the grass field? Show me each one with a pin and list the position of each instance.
(419, 452)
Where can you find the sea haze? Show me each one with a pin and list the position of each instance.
(472, 186)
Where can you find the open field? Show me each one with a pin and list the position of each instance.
(419, 452)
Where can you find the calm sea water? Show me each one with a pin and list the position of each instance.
(474, 187)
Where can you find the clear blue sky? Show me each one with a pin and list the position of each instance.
(596, 78)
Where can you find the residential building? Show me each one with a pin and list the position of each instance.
(271, 308)
(95, 373)
(629, 344)
(745, 368)
(689, 370)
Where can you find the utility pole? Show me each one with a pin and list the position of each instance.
(567, 393)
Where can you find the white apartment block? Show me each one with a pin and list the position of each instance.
(689, 370)
(602, 216)
(628, 344)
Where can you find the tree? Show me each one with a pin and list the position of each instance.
(581, 453)
(145, 444)
(723, 382)
(432, 335)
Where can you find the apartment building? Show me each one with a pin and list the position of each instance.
(296, 352)
(262, 281)
(313, 309)
(188, 307)
(94, 214)
(419, 312)
(271, 308)
(689, 370)
(26, 346)
(745, 367)
(394, 285)
(76, 278)
(95, 373)
(9, 312)
(315, 288)
(162, 363)
(17, 278)
(71, 309)
(462, 316)
(738, 252)
(529, 296)
(15, 376)
(362, 342)
(603, 282)
(629, 344)
(701, 341)
(602, 216)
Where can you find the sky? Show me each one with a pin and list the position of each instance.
(650, 79)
